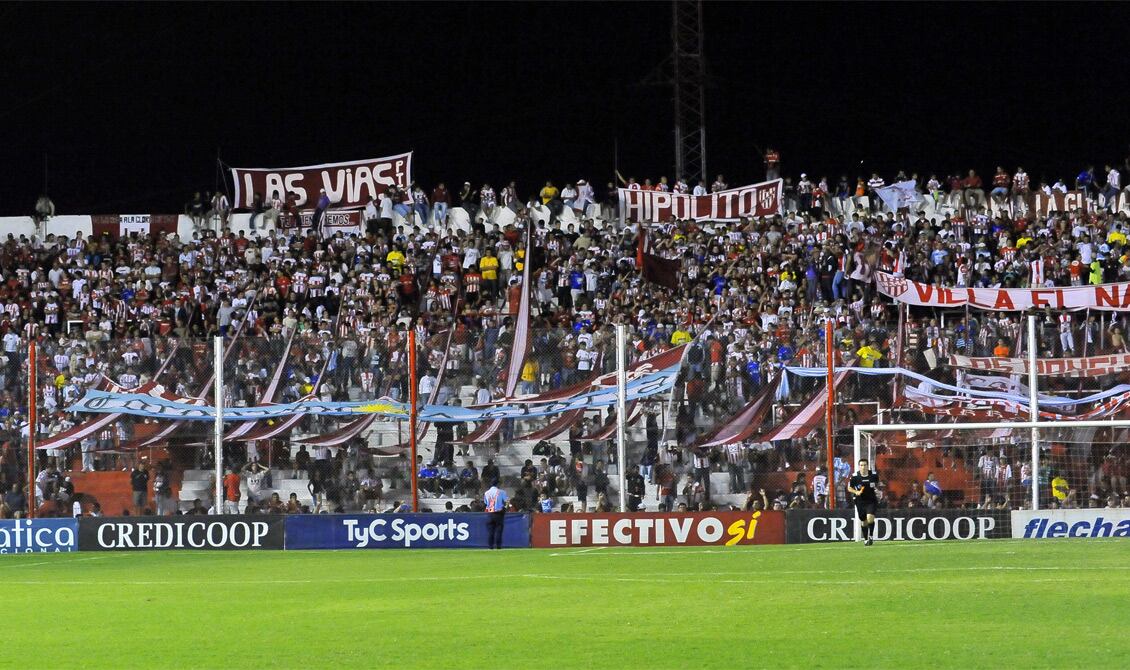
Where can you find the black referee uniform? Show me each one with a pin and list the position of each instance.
(867, 502)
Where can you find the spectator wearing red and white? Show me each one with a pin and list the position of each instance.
(487, 200)
(1001, 183)
(441, 200)
(585, 196)
(772, 164)
(718, 185)
(972, 192)
(1112, 188)
(873, 185)
(680, 186)
(663, 186)
(1066, 337)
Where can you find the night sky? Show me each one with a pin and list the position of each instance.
(122, 108)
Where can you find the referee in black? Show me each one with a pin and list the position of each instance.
(862, 485)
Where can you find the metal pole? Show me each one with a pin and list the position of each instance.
(218, 424)
(621, 408)
(32, 382)
(1034, 410)
(857, 453)
(412, 417)
(829, 413)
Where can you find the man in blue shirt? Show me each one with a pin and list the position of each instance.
(495, 500)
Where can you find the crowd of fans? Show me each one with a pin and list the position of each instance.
(752, 296)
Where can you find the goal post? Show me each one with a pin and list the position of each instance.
(993, 465)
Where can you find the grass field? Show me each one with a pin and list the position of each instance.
(1000, 604)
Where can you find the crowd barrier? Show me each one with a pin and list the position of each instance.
(544, 531)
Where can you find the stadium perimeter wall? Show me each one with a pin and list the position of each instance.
(469, 530)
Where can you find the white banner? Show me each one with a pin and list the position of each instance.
(1107, 297)
(1091, 366)
(899, 195)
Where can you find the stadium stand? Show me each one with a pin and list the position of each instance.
(129, 301)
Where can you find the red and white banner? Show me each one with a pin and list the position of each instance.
(762, 199)
(1106, 297)
(1042, 204)
(725, 529)
(121, 225)
(347, 184)
(1091, 366)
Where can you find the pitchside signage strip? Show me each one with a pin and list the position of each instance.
(348, 185)
(647, 530)
(814, 525)
(755, 200)
(402, 531)
(181, 532)
(1071, 523)
(38, 536)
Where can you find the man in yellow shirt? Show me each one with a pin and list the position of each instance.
(869, 354)
(680, 336)
(548, 193)
(1060, 489)
(395, 258)
(528, 377)
(488, 267)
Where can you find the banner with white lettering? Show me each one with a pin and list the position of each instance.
(257, 531)
(121, 225)
(1042, 204)
(755, 200)
(1091, 366)
(346, 221)
(1106, 297)
(724, 529)
(815, 525)
(348, 185)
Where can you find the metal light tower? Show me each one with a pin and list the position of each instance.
(689, 80)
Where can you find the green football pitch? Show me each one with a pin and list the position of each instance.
(1000, 604)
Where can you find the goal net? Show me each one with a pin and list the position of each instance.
(994, 466)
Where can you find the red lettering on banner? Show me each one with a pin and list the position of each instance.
(925, 291)
(1003, 300)
(1107, 295)
(1038, 298)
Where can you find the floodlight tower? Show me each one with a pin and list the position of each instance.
(689, 81)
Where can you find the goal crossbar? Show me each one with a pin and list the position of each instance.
(858, 431)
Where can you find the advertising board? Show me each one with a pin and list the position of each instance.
(658, 530)
(181, 532)
(38, 536)
(401, 531)
(1071, 523)
(816, 525)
